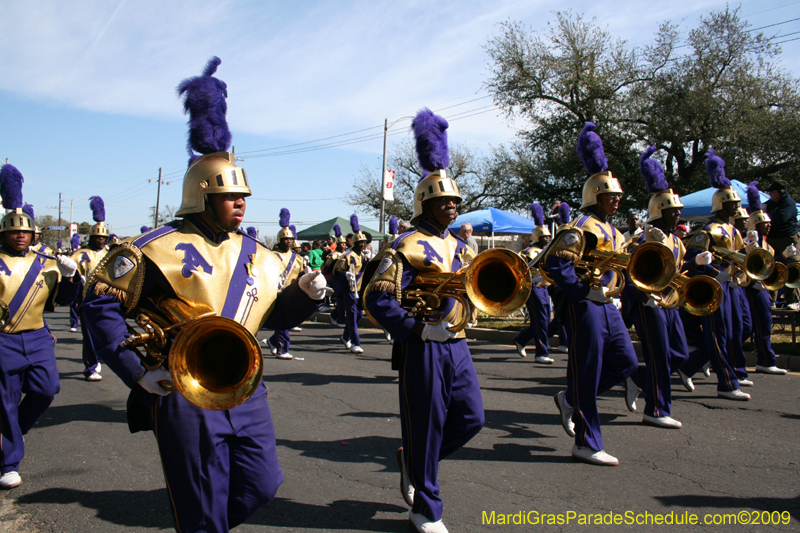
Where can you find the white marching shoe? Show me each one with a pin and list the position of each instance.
(566, 413)
(406, 488)
(520, 349)
(707, 369)
(423, 524)
(631, 394)
(771, 370)
(588, 455)
(687, 381)
(543, 360)
(94, 376)
(9, 480)
(272, 349)
(356, 349)
(347, 344)
(745, 383)
(661, 422)
(286, 355)
(733, 395)
(296, 328)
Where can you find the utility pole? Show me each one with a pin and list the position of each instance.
(386, 127)
(59, 216)
(158, 197)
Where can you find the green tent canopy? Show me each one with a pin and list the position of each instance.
(322, 230)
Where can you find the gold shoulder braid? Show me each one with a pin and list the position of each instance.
(389, 275)
(568, 244)
(119, 274)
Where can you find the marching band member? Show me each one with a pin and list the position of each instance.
(252, 232)
(143, 230)
(337, 250)
(74, 244)
(392, 230)
(292, 265)
(220, 466)
(88, 258)
(440, 400)
(757, 295)
(347, 275)
(556, 327)
(740, 308)
(718, 326)
(660, 330)
(539, 301)
(600, 352)
(29, 283)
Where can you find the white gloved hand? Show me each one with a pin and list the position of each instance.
(752, 235)
(307, 269)
(653, 234)
(598, 295)
(723, 277)
(759, 286)
(651, 303)
(149, 381)
(350, 276)
(790, 251)
(704, 258)
(438, 333)
(314, 285)
(66, 266)
(750, 246)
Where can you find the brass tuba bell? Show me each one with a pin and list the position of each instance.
(778, 278)
(214, 362)
(699, 295)
(793, 276)
(651, 267)
(497, 282)
(756, 265)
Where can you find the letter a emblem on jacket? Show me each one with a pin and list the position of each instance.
(192, 260)
(430, 254)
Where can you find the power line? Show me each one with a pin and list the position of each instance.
(771, 25)
(788, 40)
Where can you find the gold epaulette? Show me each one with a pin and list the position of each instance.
(119, 274)
(700, 240)
(568, 244)
(389, 274)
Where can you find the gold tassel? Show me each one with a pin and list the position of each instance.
(382, 285)
(565, 254)
(101, 289)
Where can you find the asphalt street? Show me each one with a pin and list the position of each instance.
(336, 417)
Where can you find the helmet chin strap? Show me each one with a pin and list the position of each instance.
(212, 214)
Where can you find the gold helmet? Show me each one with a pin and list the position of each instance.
(98, 208)
(593, 158)
(212, 173)
(741, 212)
(18, 218)
(756, 209)
(540, 230)
(283, 221)
(665, 199)
(358, 235)
(720, 196)
(430, 136)
(657, 185)
(597, 184)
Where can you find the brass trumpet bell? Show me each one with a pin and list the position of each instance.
(792, 276)
(650, 267)
(756, 265)
(699, 296)
(777, 279)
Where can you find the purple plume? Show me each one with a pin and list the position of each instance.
(337, 230)
(715, 167)
(753, 197)
(392, 225)
(75, 242)
(294, 231)
(28, 210)
(11, 186)
(590, 150)
(98, 208)
(284, 217)
(59, 244)
(251, 230)
(652, 172)
(354, 223)
(537, 213)
(144, 229)
(430, 132)
(112, 237)
(204, 101)
(563, 212)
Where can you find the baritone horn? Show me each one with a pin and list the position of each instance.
(214, 362)
(793, 276)
(497, 282)
(756, 265)
(699, 296)
(651, 267)
(777, 279)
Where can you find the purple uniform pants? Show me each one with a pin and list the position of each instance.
(664, 348)
(280, 340)
(220, 466)
(600, 356)
(761, 315)
(539, 311)
(440, 410)
(742, 329)
(27, 366)
(352, 316)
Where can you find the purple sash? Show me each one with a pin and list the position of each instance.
(239, 279)
(16, 302)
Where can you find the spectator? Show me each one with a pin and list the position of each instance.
(403, 227)
(782, 211)
(681, 230)
(466, 235)
(634, 226)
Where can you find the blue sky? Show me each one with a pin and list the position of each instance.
(88, 104)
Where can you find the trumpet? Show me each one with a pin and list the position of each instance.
(497, 282)
(756, 265)
(651, 267)
(353, 286)
(777, 279)
(699, 296)
(214, 362)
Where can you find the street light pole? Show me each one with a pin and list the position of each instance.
(386, 127)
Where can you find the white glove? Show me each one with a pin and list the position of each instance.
(653, 234)
(752, 235)
(651, 303)
(438, 333)
(790, 251)
(307, 269)
(314, 285)
(350, 276)
(704, 258)
(759, 286)
(149, 381)
(750, 246)
(66, 266)
(723, 277)
(598, 295)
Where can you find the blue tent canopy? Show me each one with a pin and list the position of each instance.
(492, 220)
(698, 204)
